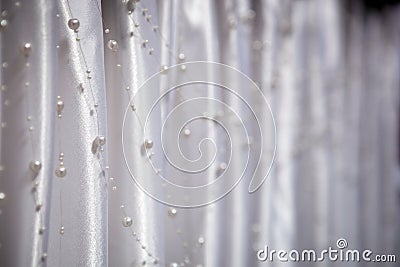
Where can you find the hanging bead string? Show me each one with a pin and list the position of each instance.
(180, 58)
(99, 141)
(3, 26)
(113, 46)
(127, 221)
(35, 165)
(73, 24)
(60, 172)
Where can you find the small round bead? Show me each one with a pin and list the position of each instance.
(112, 45)
(27, 48)
(3, 24)
(61, 171)
(186, 132)
(200, 240)
(172, 212)
(73, 24)
(127, 221)
(60, 105)
(35, 166)
(148, 143)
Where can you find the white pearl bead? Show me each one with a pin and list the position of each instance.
(73, 24)
(60, 106)
(61, 171)
(3, 24)
(2, 196)
(112, 45)
(186, 132)
(127, 221)
(35, 166)
(27, 49)
(148, 143)
(200, 240)
(164, 68)
(172, 212)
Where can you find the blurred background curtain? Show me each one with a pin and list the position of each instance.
(329, 70)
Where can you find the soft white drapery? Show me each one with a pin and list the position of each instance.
(330, 73)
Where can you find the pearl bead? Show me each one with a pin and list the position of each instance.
(174, 264)
(127, 221)
(130, 5)
(2, 196)
(172, 212)
(62, 230)
(73, 24)
(35, 166)
(106, 31)
(60, 106)
(148, 143)
(3, 24)
(181, 56)
(27, 49)
(164, 68)
(112, 45)
(61, 171)
(186, 132)
(200, 240)
(222, 166)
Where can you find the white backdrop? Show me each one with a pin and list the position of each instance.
(329, 73)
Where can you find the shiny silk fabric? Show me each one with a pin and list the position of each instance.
(329, 70)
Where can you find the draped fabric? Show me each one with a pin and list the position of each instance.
(74, 169)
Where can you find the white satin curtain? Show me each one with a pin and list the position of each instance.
(330, 75)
